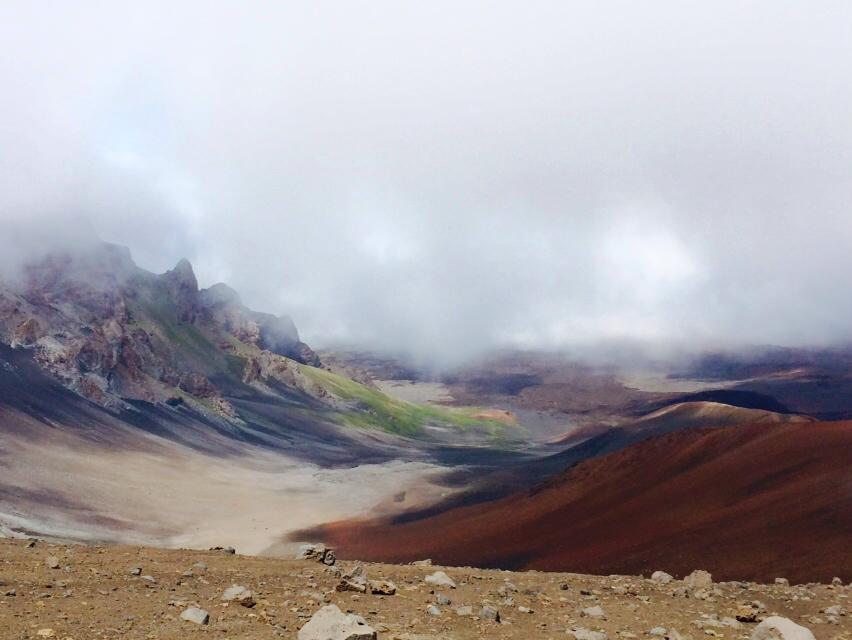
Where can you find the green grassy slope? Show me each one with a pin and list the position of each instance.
(374, 409)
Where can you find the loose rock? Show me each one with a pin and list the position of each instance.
(330, 623)
(593, 612)
(239, 594)
(581, 633)
(778, 628)
(661, 577)
(382, 587)
(489, 613)
(317, 553)
(698, 579)
(441, 579)
(195, 615)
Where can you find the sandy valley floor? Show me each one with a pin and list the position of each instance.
(175, 496)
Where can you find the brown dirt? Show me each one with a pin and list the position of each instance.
(501, 415)
(746, 502)
(93, 595)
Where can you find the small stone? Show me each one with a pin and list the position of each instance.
(432, 610)
(422, 563)
(661, 577)
(443, 599)
(238, 593)
(52, 562)
(352, 584)
(525, 610)
(46, 633)
(441, 579)
(658, 631)
(782, 582)
(195, 615)
(593, 612)
(581, 633)
(488, 612)
(318, 553)
(464, 611)
(750, 612)
(135, 571)
(382, 587)
(837, 582)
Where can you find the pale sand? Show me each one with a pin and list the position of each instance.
(417, 392)
(174, 496)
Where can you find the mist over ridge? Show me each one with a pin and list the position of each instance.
(548, 176)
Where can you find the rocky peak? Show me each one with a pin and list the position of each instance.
(183, 288)
(112, 331)
(220, 294)
(183, 276)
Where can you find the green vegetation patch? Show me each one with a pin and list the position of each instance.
(378, 410)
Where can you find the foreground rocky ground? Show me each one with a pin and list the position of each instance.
(81, 593)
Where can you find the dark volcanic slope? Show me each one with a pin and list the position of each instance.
(750, 502)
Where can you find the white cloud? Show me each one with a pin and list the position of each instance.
(447, 177)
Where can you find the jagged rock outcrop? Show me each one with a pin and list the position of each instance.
(277, 334)
(116, 333)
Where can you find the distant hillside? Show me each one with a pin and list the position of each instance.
(751, 502)
(155, 350)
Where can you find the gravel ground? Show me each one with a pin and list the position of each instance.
(136, 592)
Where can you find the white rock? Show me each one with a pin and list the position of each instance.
(196, 615)
(662, 577)
(593, 612)
(239, 593)
(658, 631)
(432, 610)
(698, 579)
(330, 623)
(581, 633)
(441, 579)
(489, 613)
(778, 628)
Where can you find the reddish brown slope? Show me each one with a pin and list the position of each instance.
(750, 502)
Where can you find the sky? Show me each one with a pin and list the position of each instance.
(445, 178)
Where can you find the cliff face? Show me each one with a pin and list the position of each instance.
(113, 332)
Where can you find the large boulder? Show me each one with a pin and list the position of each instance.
(778, 628)
(330, 623)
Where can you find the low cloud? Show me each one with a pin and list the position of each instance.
(447, 178)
